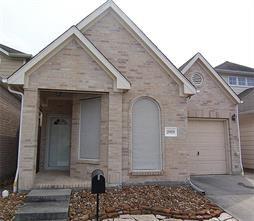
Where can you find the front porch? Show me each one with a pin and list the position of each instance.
(72, 138)
(69, 138)
(57, 180)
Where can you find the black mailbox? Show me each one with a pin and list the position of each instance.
(98, 181)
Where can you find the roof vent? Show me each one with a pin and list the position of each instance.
(197, 79)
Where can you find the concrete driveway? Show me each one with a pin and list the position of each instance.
(234, 194)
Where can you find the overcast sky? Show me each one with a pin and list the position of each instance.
(219, 29)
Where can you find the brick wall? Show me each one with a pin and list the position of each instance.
(147, 78)
(214, 102)
(9, 119)
(9, 123)
(70, 68)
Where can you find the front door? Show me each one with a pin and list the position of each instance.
(58, 143)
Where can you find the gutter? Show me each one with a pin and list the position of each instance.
(20, 130)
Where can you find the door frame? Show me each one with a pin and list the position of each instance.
(46, 158)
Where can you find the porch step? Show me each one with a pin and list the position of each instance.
(45, 205)
(48, 195)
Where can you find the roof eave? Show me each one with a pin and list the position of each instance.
(212, 70)
(15, 55)
(227, 71)
(189, 89)
(18, 76)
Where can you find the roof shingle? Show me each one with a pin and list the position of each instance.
(233, 67)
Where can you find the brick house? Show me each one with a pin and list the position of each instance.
(10, 60)
(102, 95)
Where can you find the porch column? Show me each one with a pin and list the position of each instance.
(115, 140)
(29, 135)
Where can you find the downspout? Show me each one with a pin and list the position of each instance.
(19, 145)
(238, 131)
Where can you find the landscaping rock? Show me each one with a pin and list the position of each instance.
(9, 205)
(146, 217)
(125, 216)
(160, 217)
(166, 203)
(224, 216)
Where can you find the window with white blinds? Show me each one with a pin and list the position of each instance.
(90, 118)
(146, 148)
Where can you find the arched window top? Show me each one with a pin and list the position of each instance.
(147, 100)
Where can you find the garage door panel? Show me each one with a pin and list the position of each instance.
(247, 140)
(201, 169)
(215, 155)
(206, 142)
(202, 138)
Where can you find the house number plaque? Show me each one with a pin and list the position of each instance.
(170, 131)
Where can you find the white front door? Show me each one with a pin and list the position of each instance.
(58, 143)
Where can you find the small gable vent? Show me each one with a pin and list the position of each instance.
(197, 79)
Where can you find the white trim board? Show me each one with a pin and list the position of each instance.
(188, 88)
(215, 74)
(19, 76)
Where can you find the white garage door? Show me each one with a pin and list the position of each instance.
(247, 140)
(206, 141)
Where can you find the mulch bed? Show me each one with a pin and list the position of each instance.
(178, 202)
(9, 205)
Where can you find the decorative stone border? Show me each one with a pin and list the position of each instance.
(111, 212)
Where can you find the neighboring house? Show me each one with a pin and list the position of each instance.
(10, 60)
(102, 95)
(239, 77)
(241, 80)
(246, 117)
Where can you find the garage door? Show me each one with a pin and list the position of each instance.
(247, 140)
(206, 141)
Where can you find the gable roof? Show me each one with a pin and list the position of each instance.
(11, 52)
(229, 66)
(200, 57)
(246, 92)
(18, 76)
(188, 87)
(186, 63)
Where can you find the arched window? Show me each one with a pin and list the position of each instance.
(146, 147)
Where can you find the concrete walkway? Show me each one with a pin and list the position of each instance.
(234, 194)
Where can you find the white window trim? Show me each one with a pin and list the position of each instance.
(145, 172)
(87, 160)
(247, 81)
(229, 81)
(237, 82)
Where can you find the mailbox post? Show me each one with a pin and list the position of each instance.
(97, 187)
